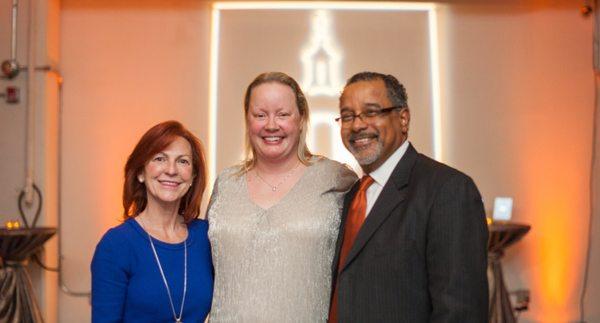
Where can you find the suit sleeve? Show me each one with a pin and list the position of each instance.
(109, 282)
(457, 253)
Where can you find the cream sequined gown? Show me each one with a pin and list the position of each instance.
(274, 265)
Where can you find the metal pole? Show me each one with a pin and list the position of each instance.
(13, 43)
(31, 91)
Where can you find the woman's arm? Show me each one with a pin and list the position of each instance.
(109, 281)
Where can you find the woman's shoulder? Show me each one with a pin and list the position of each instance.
(341, 176)
(116, 239)
(198, 233)
(230, 173)
(198, 225)
(120, 232)
(333, 167)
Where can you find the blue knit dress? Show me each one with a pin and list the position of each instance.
(127, 285)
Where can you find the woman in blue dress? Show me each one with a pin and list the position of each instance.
(156, 266)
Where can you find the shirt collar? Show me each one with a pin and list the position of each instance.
(383, 173)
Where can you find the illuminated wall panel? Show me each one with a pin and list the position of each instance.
(321, 45)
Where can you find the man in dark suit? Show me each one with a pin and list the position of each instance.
(413, 236)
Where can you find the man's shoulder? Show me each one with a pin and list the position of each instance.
(434, 179)
(428, 167)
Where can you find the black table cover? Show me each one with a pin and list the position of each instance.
(17, 300)
(502, 235)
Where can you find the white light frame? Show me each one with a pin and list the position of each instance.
(217, 6)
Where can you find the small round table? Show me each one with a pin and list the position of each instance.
(17, 300)
(502, 235)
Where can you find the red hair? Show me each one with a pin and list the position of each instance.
(152, 142)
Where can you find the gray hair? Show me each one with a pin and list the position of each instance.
(395, 90)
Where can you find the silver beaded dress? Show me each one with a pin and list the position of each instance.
(274, 265)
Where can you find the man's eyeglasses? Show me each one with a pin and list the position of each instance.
(366, 116)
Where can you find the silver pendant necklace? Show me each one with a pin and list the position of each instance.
(274, 188)
(162, 273)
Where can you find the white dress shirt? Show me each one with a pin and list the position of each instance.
(382, 174)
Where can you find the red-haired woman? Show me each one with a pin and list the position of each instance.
(156, 266)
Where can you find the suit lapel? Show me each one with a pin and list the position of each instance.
(393, 193)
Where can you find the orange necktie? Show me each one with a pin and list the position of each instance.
(354, 220)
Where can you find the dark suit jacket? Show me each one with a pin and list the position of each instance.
(421, 254)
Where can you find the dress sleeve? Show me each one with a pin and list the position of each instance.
(213, 196)
(109, 280)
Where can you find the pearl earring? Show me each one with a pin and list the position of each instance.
(140, 179)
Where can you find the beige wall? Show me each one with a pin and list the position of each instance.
(517, 97)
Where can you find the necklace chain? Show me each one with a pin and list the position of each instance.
(162, 274)
(274, 188)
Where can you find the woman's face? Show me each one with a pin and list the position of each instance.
(169, 174)
(274, 122)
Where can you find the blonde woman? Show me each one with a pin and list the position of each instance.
(273, 220)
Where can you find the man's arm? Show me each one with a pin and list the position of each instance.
(457, 253)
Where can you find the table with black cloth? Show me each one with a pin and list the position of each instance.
(502, 235)
(17, 299)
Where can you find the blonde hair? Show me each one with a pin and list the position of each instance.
(304, 155)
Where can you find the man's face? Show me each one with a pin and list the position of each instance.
(372, 140)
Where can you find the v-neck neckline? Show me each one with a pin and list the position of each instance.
(283, 198)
